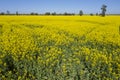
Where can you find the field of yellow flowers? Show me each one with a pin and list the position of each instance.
(59, 48)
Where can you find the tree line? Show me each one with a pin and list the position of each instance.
(103, 11)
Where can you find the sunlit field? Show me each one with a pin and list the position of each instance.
(59, 48)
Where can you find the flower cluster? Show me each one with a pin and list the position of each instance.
(59, 48)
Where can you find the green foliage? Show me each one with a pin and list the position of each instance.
(81, 13)
(103, 10)
(47, 13)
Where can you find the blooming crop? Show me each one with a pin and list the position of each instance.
(59, 48)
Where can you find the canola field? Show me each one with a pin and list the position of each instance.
(59, 48)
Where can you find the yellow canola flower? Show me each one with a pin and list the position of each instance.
(50, 43)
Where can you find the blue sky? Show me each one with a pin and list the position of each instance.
(59, 6)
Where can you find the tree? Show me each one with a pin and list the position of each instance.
(103, 10)
(54, 13)
(16, 12)
(47, 13)
(7, 12)
(91, 14)
(36, 13)
(81, 13)
(2, 13)
(32, 13)
(65, 13)
(96, 14)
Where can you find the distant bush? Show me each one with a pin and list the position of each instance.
(47, 13)
(91, 14)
